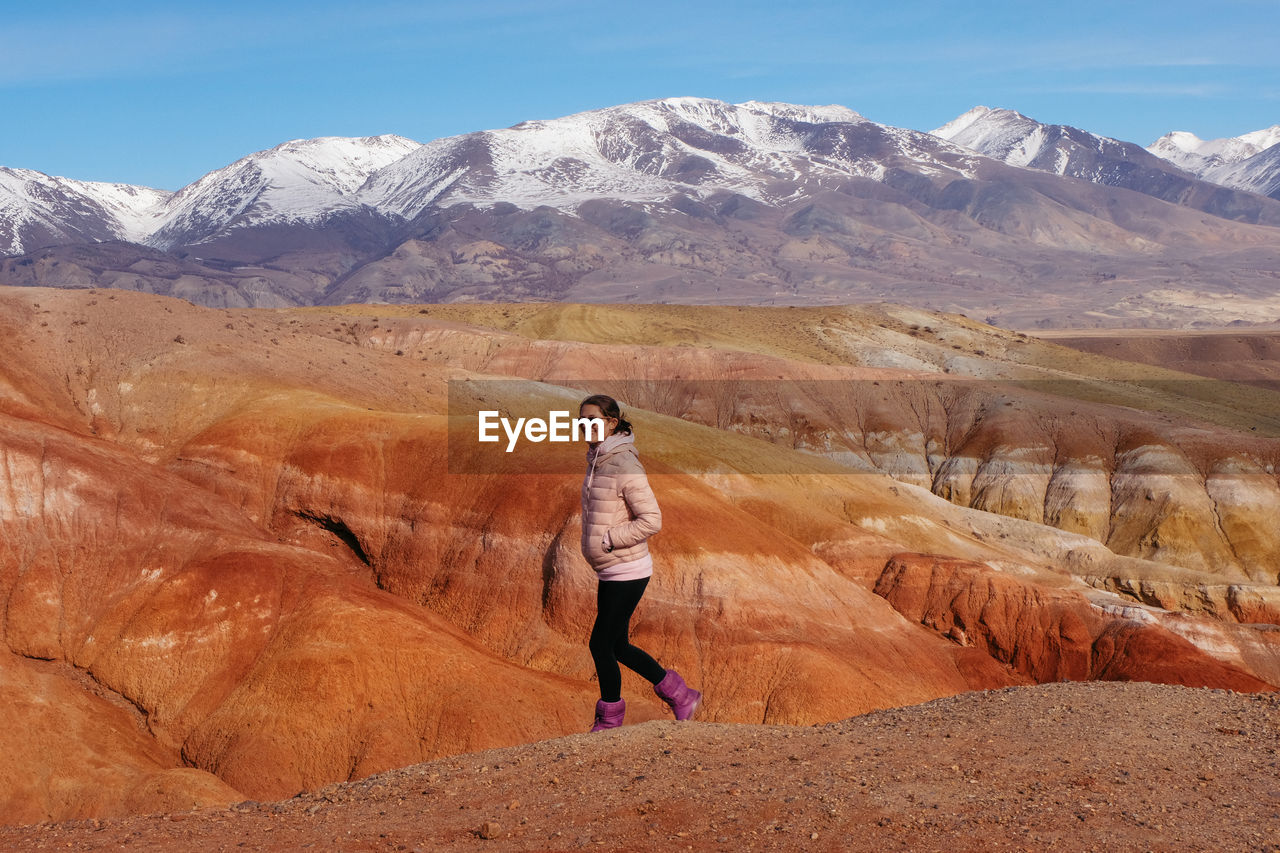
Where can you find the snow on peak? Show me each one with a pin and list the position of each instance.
(137, 210)
(962, 122)
(296, 181)
(1249, 162)
(42, 207)
(1262, 139)
(1202, 155)
(1180, 140)
(1001, 134)
(1022, 141)
(647, 151)
(810, 115)
(343, 163)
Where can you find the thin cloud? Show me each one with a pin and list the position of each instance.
(114, 44)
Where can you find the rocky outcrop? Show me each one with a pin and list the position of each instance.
(1245, 603)
(1192, 495)
(1046, 634)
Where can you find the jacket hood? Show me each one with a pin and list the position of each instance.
(615, 442)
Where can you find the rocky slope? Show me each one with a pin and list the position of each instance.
(248, 538)
(1121, 766)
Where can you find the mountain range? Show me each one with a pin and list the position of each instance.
(1166, 169)
(693, 200)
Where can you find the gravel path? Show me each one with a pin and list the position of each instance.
(1071, 766)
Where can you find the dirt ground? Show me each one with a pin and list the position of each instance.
(1068, 766)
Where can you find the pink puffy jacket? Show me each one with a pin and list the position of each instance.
(616, 499)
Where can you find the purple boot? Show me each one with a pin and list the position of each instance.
(609, 714)
(682, 698)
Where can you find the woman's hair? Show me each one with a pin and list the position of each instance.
(609, 407)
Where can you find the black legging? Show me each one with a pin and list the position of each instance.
(615, 602)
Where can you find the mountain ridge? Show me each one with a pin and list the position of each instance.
(1250, 161)
(336, 179)
(1018, 140)
(690, 199)
(299, 180)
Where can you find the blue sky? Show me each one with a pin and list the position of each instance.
(160, 93)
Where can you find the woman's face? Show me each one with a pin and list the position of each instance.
(591, 410)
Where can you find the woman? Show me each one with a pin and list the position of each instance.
(619, 512)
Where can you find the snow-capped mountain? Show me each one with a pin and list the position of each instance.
(682, 199)
(38, 209)
(1259, 174)
(649, 152)
(1020, 141)
(303, 180)
(1198, 155)
(652, 152)
(299, 181)
(1248, 162)
(1063, 150)
(1179, 148)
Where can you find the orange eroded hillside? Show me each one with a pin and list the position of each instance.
(234, 542)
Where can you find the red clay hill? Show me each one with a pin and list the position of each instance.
(237, 563)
